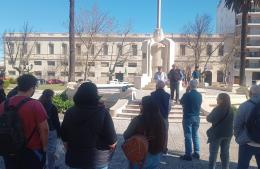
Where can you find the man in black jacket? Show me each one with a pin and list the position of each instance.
(175, 76)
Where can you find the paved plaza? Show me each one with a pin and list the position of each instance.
(176, 147)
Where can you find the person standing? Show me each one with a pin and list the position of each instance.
(221, 131)
(54, 125)
(247, 147)
(174, 76)
(162, 99)
(88, 131)
(35, 126)
(160, 75)
(150, 124)
(196, 73)
(191, 102)
(2, 92)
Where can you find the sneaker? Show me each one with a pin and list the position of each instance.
(186, 157)
(196, 155)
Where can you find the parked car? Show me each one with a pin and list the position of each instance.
(55, 81)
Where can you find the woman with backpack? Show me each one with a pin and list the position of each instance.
(88, 131)
(149, 124)
(54, 125)
(220, 134)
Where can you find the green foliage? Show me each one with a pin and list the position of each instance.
(12, 81)
(62, 103)
(234, 109)
(6, 84)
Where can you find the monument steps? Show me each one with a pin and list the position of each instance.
(133, 109)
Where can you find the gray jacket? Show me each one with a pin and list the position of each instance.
(241, 118)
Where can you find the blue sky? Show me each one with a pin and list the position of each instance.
(51, 15)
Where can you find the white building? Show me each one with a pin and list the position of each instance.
(48, 58)
(225, 24)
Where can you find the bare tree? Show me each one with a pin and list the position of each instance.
(197, 36)
(19, 48)
(89, 25)
(72, 42)
(124, 51)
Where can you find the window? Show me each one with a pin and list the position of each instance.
(104, 64)
(64, 73)
(209, 50)
(103, 74)
(10, 62)
(182, 50)
(78, 49)
(10, 47)
(134, 49)
(64, 63)
(38, 73)
(91, 63)
(119, 64)
(24, 48)
(38, 48)
(119, 49)
(221, 50)
(51, 63)
(51, 49)
(91, 74)
(64, 49)
(105, 49)
(92, 51)
(12, 73)
(144, 55)
(132, 64)
(51, 73)
(78, 74)
(37, 62)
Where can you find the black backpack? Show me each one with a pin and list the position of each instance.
(12, 138)
(253, 123)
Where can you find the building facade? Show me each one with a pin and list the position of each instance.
(46, 55)
(253, 40)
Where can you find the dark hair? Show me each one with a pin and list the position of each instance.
(153, 124)
(26, 82)
(46, 96)
(226, 103)
(87, 94)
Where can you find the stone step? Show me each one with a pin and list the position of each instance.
(129, 110)
(131, 115)
(170, 120)
(136, 106)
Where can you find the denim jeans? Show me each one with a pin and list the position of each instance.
(245, 154)
(190, 128)
(151, 162)
(175, 86)
(214, 145)
(52, 144)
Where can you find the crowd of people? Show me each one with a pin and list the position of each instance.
(89, 135)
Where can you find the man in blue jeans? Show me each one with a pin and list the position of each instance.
(191, 102)
(247, 147)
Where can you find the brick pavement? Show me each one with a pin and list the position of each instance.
(175, 145)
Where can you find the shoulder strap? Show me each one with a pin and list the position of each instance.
(252, 102)
(19, 105)
(221, 120)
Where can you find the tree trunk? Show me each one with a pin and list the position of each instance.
(72, 43)
(242, 81)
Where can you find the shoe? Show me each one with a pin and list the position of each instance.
(186, 157)
(196, 155)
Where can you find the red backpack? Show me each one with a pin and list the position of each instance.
(136, 148)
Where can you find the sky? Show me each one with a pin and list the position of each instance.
(52, 15)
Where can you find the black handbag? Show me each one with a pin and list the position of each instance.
(210, 132)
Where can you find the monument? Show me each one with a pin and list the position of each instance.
(157, 51)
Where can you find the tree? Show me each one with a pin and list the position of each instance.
(197, 36)
(19, 48)
(89, 25)
(72, 42)
(121, 55)
(243, 6)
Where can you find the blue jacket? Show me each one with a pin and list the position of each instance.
(191, 102)
(162, 98)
